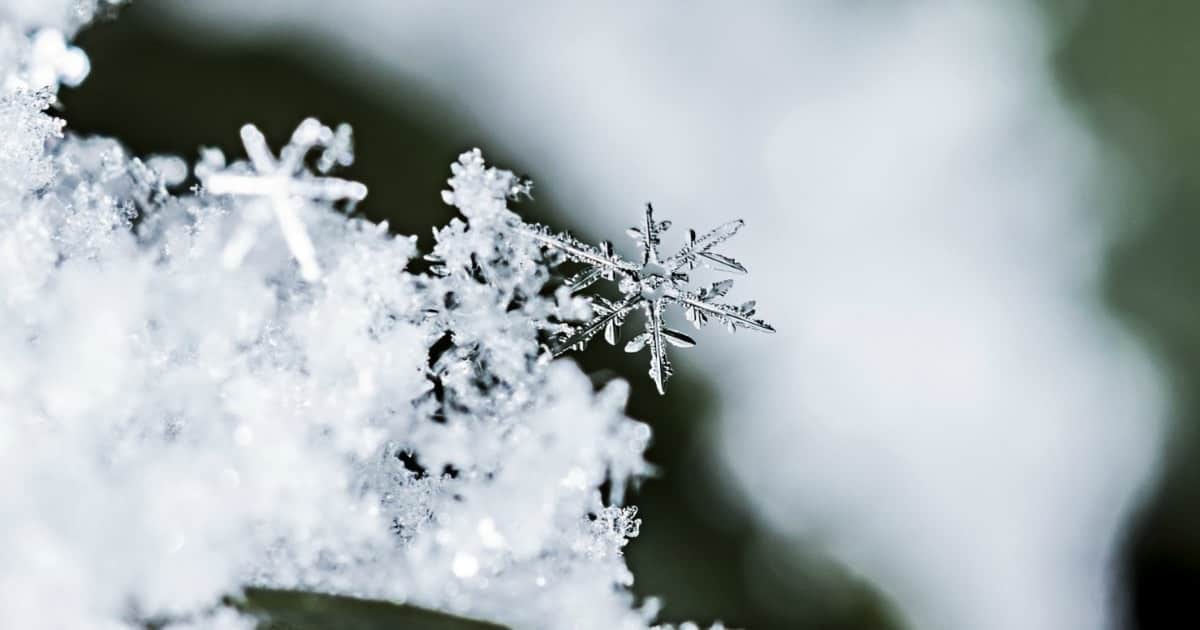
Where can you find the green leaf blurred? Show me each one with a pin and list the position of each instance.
(297, 610)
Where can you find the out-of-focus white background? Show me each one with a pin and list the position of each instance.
(948, 408)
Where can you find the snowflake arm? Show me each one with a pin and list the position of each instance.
(328, 189)
(609, 317)
(656, 335)
(649, 235)
(601, 259)
(286, 184)
(660, 366)
(260, 154)
(698, 311)
(702, 248)
(583, 279)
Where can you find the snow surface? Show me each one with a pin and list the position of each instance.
(174, 427)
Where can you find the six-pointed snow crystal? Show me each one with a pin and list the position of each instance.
(652, 286)
(286, 184)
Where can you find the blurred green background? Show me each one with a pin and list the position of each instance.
(1128, 67)
(1131, 69)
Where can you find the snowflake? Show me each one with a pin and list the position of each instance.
(651, 285)
(286, 184)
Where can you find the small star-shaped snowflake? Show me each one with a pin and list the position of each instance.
(652, 286)
(285, 183)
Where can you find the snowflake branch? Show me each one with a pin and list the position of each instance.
(660, 366)
(610, 318)
(578, 251)
(701, 247)
(698, 312)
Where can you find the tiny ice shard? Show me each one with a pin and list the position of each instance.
(651, 285)
(285, 183)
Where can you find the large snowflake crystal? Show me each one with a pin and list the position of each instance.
(651, 285)
(285, 184)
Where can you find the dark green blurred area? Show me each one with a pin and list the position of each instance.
(289, 610)
(1131, 68)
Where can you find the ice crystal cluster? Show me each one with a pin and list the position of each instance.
(651, 286)
(225, 381)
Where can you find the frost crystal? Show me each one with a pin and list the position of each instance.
(174, 429)
(652, 285)
(286, 185)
